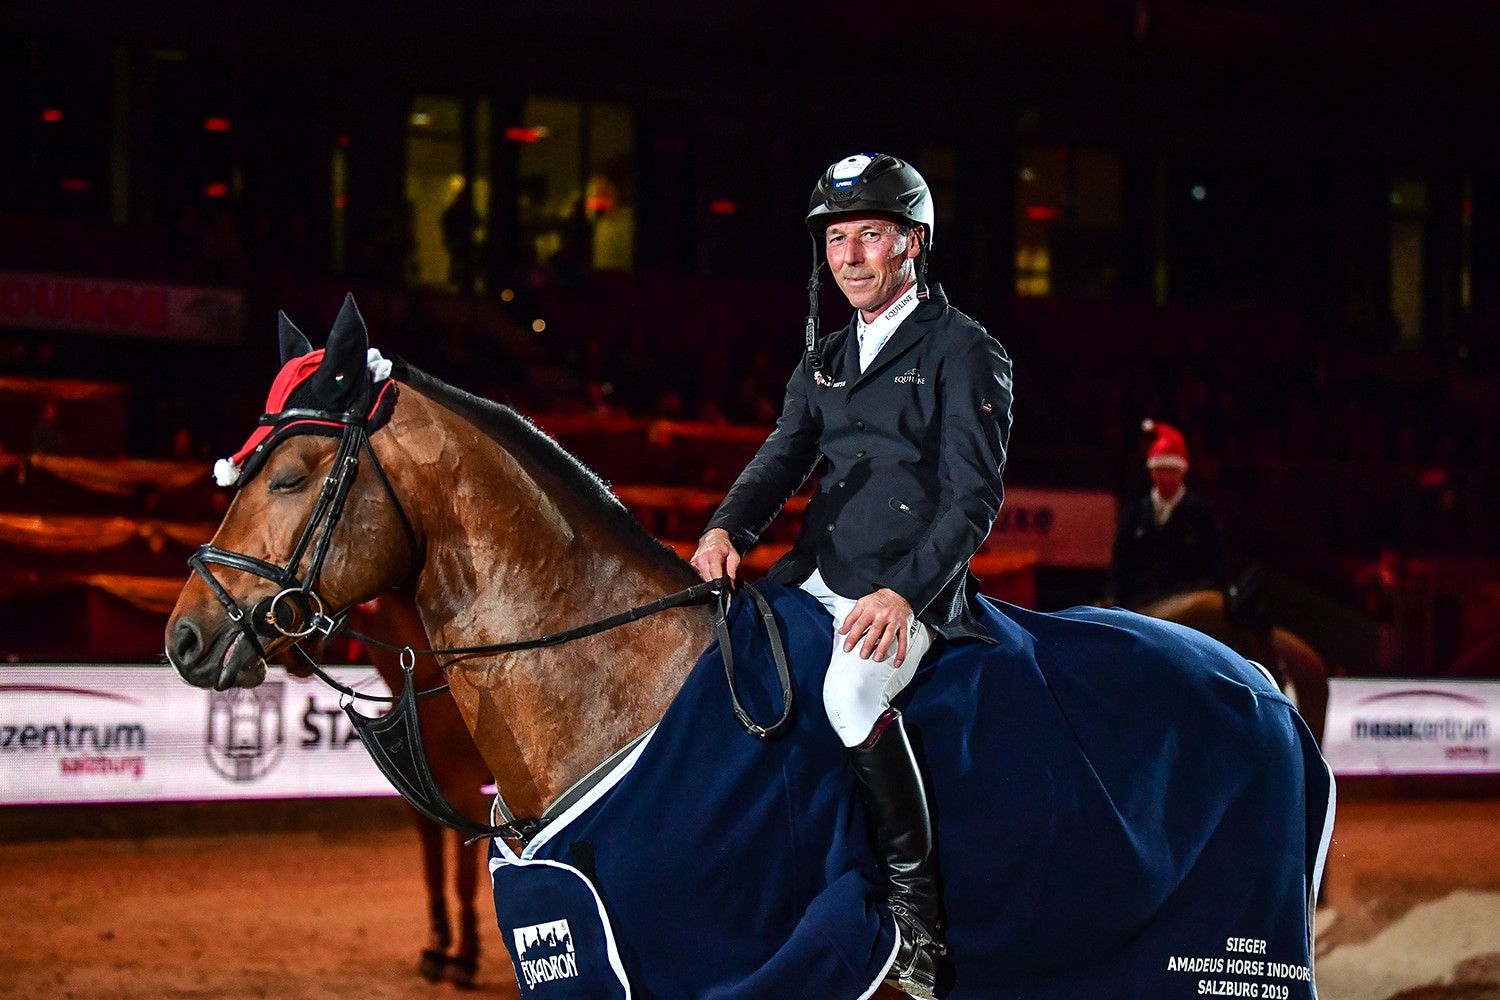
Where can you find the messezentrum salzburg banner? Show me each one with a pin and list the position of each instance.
(1412, 726)
(90, 733)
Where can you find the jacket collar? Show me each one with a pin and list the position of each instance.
(907, 334)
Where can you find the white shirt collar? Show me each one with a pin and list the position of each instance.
(873, 335)
(1162, 509)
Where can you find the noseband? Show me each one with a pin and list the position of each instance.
(296, 611)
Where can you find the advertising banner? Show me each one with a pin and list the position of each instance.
(1412, 727)
(1074, 528)
(90, 733)
(175, 312)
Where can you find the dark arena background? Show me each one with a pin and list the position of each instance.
(1274, 224)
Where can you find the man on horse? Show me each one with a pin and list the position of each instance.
(909, 404)
(1167, 541)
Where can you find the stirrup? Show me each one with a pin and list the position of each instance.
(914, 971)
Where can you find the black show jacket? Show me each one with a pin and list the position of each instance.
(915, 450)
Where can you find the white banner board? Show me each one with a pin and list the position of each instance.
(1412, 727)
(1074, 528)
(90, 733)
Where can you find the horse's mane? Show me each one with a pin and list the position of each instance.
(542, 456)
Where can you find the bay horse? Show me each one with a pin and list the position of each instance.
(1292, 661)
(1122, 807)
(460, 773)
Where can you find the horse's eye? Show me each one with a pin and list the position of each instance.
(287, 482)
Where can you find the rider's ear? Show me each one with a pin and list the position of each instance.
(293, 343)
(341, 376)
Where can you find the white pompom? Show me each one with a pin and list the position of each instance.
(380, 368)
(226, 473)
(1148, 425)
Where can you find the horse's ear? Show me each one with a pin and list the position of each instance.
(293, 343)
(341, 374)
(348, 333)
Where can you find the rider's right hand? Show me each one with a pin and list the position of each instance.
(716, 555)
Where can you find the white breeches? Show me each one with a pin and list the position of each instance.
(857, 691)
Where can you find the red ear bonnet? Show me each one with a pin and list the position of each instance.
(316, 383)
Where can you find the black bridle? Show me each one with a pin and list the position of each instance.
(300, 599)
(394, 739)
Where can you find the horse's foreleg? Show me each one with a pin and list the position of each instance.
(440, 935)
(464, 963)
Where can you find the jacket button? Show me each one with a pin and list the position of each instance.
(842, 484)
(830, 527)
(859, 424)
(860, 453)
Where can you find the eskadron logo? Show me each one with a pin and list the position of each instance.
(544, 953)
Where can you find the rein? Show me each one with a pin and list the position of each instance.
(394, 739)
(395, 743)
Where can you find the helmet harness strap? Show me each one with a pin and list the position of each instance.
(923, 292)
(810, 331)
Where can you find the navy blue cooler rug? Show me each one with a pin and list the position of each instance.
(1123, 808)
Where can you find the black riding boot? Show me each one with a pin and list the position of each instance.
(896, 802)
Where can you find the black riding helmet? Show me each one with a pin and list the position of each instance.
(871, 184)
(864, 184)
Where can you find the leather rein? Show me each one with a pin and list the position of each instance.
(394, 739)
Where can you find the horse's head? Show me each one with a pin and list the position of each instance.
(315, 526)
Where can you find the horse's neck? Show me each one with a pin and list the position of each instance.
(506, 562)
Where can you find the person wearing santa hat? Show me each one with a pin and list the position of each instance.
(1167, 541)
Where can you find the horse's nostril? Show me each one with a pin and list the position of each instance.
(187, 642)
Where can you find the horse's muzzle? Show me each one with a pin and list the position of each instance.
(220, 661)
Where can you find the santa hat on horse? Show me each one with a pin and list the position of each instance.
(1168, 449)
(316, 391)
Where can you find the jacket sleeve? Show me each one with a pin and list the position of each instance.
(976, 397)
(777, 471)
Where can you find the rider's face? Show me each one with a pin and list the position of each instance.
(1168, 480)
(871, 261)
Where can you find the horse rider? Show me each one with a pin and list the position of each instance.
(908, 409)
(1167, 541)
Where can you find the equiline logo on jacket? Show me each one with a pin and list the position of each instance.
(913, 377)
(545, 953)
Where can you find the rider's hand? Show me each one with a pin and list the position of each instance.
(883, 618)
(716, 555)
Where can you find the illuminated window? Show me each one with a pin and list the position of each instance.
(448, 209)
(570, 221)
(1408, 219)
(1068, 222)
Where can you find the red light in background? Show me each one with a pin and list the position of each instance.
(723, 206)
(343, 140)
(75, 185)
(599, 203)
(1041, 213)
(1468, 209)
(341, 201)
(217, 189)
(516, 133)
(51, 114)
(216, 124)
